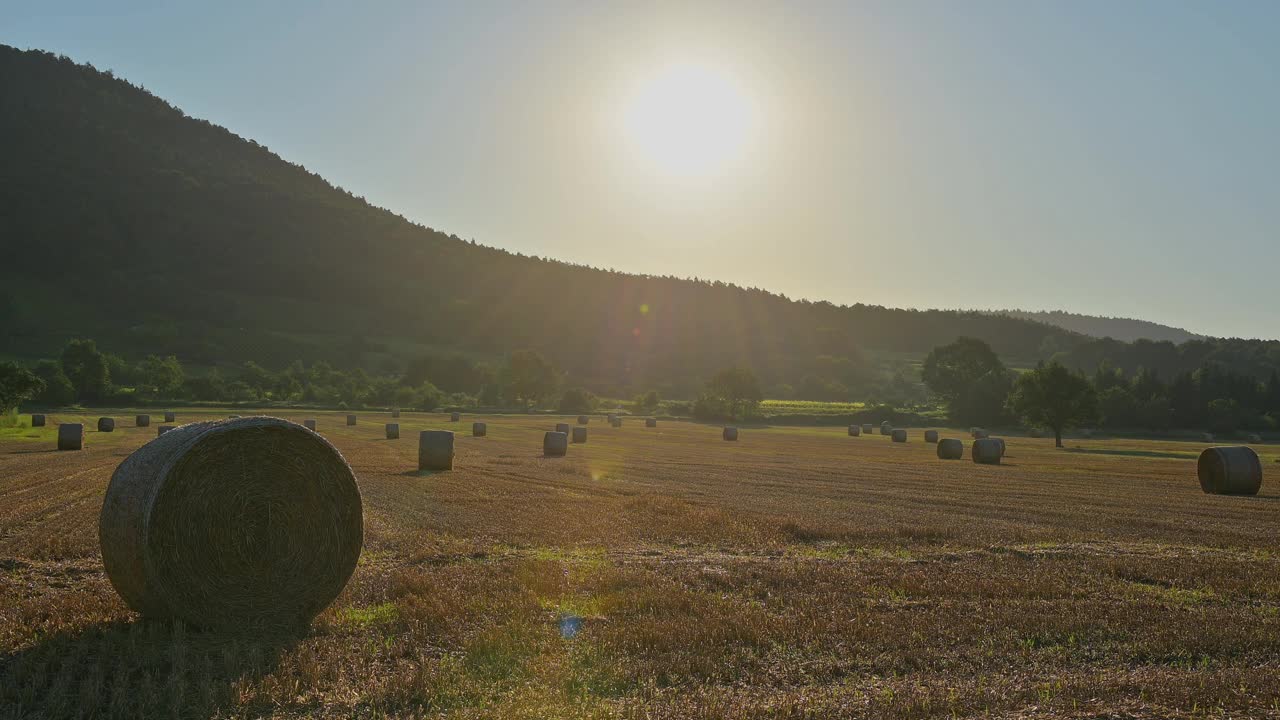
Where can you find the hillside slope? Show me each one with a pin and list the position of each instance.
(1124, 329)
(123, 219)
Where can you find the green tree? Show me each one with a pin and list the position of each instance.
(57, 388)
(646, 402)
(577, 400)
(16, 385)
(1054, 397)
(161, 377)
(530, 378)
(969, 377)
(732, 392)
(86, 368)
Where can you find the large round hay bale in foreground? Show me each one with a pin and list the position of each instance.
(37, 420)
(986, 451)
(854, 431)
(562, 427)
(142, 421)
(309, 424)
(555, 444)
(435, 450)
(479, 429)
(583, 419)
(393, 431)
(455, 417)
(106, 424)
(170, 416)
(931, 436)
(579, 435)
(730, 434)
(651, 422)
(1230, 471)
(950, 449)
(351, 420)
(71, 436)
(240, 525)
(899, 435)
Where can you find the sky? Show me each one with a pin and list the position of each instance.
(1110, 158)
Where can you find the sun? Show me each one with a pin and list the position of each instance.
(689, 120)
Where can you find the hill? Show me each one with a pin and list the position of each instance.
(123, 219)
(1124, 329)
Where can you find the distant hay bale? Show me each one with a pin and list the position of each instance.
(395, 412)
(393, 431)
(479, 429)
(562, 427)
(70, 436)
(899, 435)
(1206, 437)
(555, 444)
(868, 428)
(37, 420)
(170, 416)
(1254, 438)
(950, 449)
(651, 422)
(886, 428)
(106, 424)
(164, 429)
(986, 451)
(854, 431)
(435, 450)
(612, 417)
(1229, 471)
(579, 435)
(616, 421)
(583, 419)
(730, 434)
(978, 433)
(309, 424)
(237, 525)
(931, 436)
(455, 417)
(142, 421)
(351, 420)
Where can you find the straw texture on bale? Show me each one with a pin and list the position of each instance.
(106, 424)
(582, 419)
(579, 435)
(479, 429)
(986, 451)
(393, 431)
(868, 429)
(950, 449)
(170, 416)
(351, 419)
(37, 420)
(455, 417)
(555, 444)
(651, 422)
(142, 421)
(562, 427)
(309, 424)
(854, 431)
(931, 436)
(1229, 471)
(70, 436)
(435, 450)
(899, 435)
(164, 429)
(235, 525)
(731, 433)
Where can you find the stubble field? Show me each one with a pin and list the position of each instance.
(664, 573)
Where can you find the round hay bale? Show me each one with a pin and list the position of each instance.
(931, 436)
(435, 450)
(393, 431)
(612, 417)
(579, 435)
(455, 417)
(616, 422)
(886, 428)
(899, 435)
(310, 424)
(651, 422)
(986, 451)
(868, 428)
(164, 429)
(978, 433)
(730, 434)
(106, 424)
(583, 419)
(142, 421)
(71, 436)
(1229, 471)
(555, 444)
(950, 449)
(351, 420)
(1255, 438)
(562, 427)
(479, 429)
(854, 431)
(37, 420)
(1000, 441)
(170, 416)
(1206, 437)
(239, 525)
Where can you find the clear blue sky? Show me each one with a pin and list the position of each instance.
(1115, 158)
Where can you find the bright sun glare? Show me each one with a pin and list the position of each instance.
(690, 120)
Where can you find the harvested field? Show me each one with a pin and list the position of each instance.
(798, 572)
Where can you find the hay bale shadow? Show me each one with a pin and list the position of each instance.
(137, 668)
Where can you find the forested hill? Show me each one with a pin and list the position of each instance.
(1125, 329)
(125, 220)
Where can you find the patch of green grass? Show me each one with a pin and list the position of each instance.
(371, 615)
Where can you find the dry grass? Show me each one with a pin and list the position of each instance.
(664, 573)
